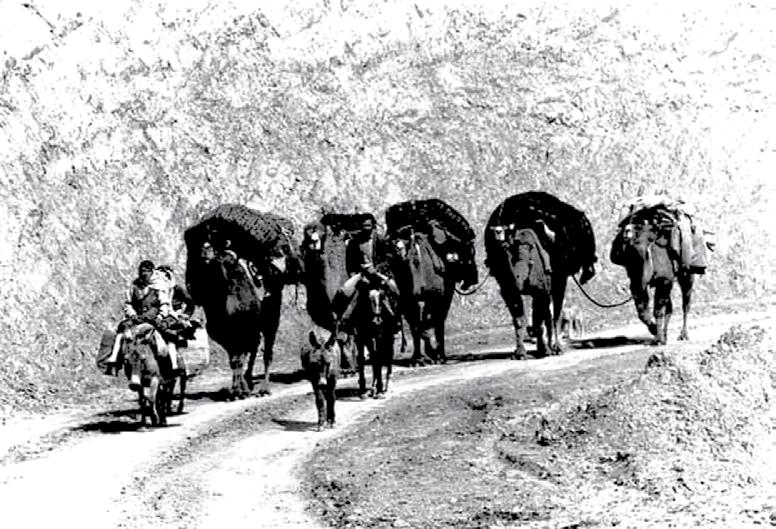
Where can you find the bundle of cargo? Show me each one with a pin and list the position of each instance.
(450, 233)
(259, 238)
(568, 237)
(670, 218)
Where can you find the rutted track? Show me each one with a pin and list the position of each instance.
(221, 463)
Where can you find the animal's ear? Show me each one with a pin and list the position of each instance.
(314, 340)
(512, 226)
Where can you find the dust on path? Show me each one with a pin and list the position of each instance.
(219, 464)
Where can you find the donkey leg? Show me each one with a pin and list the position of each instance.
(377, 371)
(320, 403)
(685, 284)
(152, 400)
(360, 361)
(331, 397)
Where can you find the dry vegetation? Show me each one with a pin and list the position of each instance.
(122, 122)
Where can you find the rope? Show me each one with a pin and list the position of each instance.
(473, 290)
(596, 303)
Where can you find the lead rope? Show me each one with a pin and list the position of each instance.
(596, 303)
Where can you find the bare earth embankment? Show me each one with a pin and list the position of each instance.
(674, 437)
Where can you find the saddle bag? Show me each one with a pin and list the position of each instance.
(105, 349)
(195, 356)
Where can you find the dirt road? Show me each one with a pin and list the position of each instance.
(221, 462)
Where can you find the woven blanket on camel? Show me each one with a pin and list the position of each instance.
(255, 236)
(574, 241)
(421, 214)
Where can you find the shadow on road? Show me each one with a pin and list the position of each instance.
(296, 426)
(609, 341)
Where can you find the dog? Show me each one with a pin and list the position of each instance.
(571, 323)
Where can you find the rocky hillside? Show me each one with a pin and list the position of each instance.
(120, 125)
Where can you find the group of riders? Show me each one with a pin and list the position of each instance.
(155, 298)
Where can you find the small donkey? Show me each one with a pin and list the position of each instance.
(321, 363)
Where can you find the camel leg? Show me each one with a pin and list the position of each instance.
(519, 324)
(541, 316)
(271, 322)
(240, 387)
(554, 312)
(663, 309)
(685, 284)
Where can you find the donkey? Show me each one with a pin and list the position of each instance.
(374, 325)
(644, 247)
(321, 364)
(426, 292)
(145, 370)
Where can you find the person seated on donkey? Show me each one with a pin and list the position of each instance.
(176, 324)
(147, 301)
(363, 254)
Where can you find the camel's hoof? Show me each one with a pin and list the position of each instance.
(519, 356)
(330, 424)
(362, 395)
(683, 337)
(263, 392)
(380, 395)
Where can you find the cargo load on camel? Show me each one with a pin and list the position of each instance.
(264, 241)
(676, 226)
(565, 232)
(449, 232)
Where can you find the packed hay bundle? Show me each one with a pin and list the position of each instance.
(448, 230)
(255, 236)
(573, 245)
